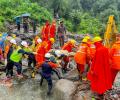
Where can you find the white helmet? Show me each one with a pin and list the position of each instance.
(39, 40)
(47, 55)
(58, 53)
(13, 41)
(24, 43)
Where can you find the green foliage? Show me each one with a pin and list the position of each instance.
(81, 16)
(69, 25)
(12, 8)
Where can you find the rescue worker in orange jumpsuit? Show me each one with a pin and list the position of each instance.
(67, 46)
(92, 49)
(52, 29)
(81, 57)
(115, 57)
(40, 56)
(100, 71)
(47, 31)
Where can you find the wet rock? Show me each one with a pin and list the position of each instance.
(81, 95)
(72, 75)
(64, 89)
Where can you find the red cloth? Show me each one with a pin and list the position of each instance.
(52, 30)
(100, 72)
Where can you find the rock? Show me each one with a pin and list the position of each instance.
(72, 75)
(64, 89)
(117, 82)
(81, 95)
(82, 92)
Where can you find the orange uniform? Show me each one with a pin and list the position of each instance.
(49, 46)
(115, 58)
(41, 51)
(68, 46)
(52, 30)
(46, 31)
(81, 57)
(92, 51)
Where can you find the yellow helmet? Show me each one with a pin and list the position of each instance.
(97, 39)
(72, 41)
(87, 37)
(52, 40)
(84, 40)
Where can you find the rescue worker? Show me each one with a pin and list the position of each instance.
(91, 53)
(81, 57)
(115, 57)
(40, 52)
(47, 31)
(52, 29)
(100, 71)
(16, 58)
(46, 72)
(8, 51)
(50, 44)
(31, 57)
(68, 47)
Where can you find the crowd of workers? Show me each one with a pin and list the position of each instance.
(94, 61)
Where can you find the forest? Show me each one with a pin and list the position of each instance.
(80, 16)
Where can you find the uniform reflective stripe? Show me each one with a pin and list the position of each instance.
(81, 51)
(117, 53)
(82, 47)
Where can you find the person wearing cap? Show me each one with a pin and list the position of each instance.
(46, 71)
(68, 47)
(100, 71)
(8, 51)
(81, 57)
(115, 57)
(61, 33)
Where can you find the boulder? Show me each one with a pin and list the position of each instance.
(64, 89)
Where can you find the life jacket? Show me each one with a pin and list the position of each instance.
(15, 56)
(115, 56)
(81, 54)
(92, 51)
